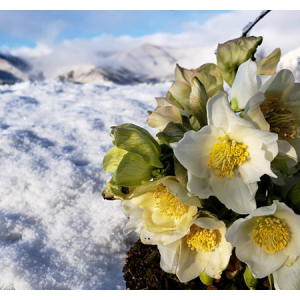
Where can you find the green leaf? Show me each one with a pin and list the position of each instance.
(172, 133)
(268, 65)
(250, 281)
(112, 159)
(132, 170)
(293, 195)
(280, 165)
(180, 172)
(137, 140)
(232, 54)
(198, 101)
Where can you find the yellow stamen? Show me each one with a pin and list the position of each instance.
(203, 240)
(271, 233)
(168, 204)
(281, 119)
(226, 156)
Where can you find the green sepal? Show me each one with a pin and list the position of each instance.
(137, 140)
(268, 65)
(172, 133)
(180, 172)
(233, 53)
(250, 281)
(207, 280)
(113, 192)
(112, 159)
(198, 101)
(132, 170)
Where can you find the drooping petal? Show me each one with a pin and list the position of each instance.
(287, 152)
(245, 85)
(135, 214)
(288, 276)
(234, 193)
(193, 149)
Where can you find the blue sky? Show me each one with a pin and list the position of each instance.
(26, 28)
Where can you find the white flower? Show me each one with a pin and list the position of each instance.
(246, 84)
(276, 108)
(227, 157)
(266, 239)
(203, 249)
(160, 211)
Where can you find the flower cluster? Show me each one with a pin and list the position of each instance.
(221, 178)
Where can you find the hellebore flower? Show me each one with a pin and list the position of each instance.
(203, 249)
(160, 211)
(227, 157)
(276, 108)
(266, 239)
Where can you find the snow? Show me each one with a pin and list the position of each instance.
(56, 231)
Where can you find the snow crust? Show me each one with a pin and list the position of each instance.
(56, 231)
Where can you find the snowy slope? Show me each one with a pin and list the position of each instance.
(56, 231)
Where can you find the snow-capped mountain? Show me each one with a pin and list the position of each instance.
(291, 61)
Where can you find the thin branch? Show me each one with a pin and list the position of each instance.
(248, 27)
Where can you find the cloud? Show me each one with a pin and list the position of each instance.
(193, 46)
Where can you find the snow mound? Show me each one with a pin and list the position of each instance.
(56, 231)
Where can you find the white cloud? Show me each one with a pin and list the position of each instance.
(279, 29)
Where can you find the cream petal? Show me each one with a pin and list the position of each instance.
(181, 193)
(208, 223)
(193, 149)
(144, 201)
(190, 265)
(234, 193)
(161, 117)
(288, 277)
(296, 143)
(199, 186)
(148, 238)
(181, 92)
(245, 83)
(169, 256)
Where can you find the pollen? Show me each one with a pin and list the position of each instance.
(202, 240)
(168, 204)
(271, 233)
(281, 119)
(226, 156)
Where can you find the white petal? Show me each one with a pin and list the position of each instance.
(283, 212)
(288, 152)
(209, 223)
(193, 149)
(280, 85)
(254, 114)
(245, 83)
(135, 215)
(199, 186)
(260, 262)
(169, 256)
(234, 193)
(288, 277)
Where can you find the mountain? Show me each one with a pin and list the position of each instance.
(291, 61)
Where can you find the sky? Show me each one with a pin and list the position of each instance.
(56, 41)
(26, 28)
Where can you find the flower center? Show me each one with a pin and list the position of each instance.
(168, 204)
(201, 239)
(226, 156)
(281, 119)
(271, 233)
